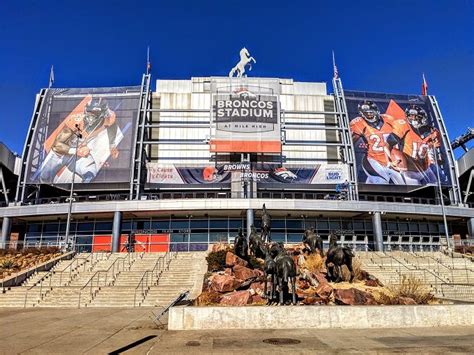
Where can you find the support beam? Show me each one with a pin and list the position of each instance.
(116, 231)
(6, 228)
(377, 224)
(470, 228)
(249, 221)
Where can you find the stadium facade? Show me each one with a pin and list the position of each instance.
(190, 163)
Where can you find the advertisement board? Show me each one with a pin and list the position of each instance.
(265, 174)
(397, 139)
(97, 125)
(246, 123)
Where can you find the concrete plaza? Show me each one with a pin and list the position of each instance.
(131, 331)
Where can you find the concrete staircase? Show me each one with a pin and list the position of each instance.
(113, 280)
(447, 277)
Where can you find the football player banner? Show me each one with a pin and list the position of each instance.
(397, 140)
(97, 125)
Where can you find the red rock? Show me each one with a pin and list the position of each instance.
(258, 287)
(257, 299)
(258, 273)
(302, 284)
(353, 296)
(406, 301)
(224, 283)
(207, 298)
(320, 277)
(232, 260)
(228, 271)
(244, 273)
(237, 298)
(218, 247)
(324, 290)
(371, 283)
(311, 300)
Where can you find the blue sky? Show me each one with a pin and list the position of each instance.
(381, 46)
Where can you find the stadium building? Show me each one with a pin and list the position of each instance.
(188, 164)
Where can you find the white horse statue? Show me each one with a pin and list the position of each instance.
(245, 59)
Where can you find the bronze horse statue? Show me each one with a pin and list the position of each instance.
(269, 269)
(256, 244)
(266, 226)
(336, 257)
(285, 273)
(313, 241)
(241, 246)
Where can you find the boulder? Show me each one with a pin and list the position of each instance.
(237, 298)
(302, 284)
(313, 300)
(259, 287)
(371, 283)
(232, 260)
(228, 271)
(320, 277)
(324, 291)
(207, 298)
(244, 273)
(257, 299)
(406, 301)
(353, 296)
(224, 283)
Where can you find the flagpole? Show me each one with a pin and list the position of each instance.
(148, 63)
(51, 77)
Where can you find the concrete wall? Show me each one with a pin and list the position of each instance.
(299, 317)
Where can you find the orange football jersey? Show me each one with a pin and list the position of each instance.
(418, 148)
(375, 137)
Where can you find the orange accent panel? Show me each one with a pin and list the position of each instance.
(245, 146)
(149, 243)
(102, 243)
(395, 110)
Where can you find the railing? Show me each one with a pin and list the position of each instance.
(71, 268)
(151, 277)
(463, 292)
(113, 269)
(303, 195)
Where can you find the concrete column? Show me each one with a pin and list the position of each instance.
(116, 231)
(6, 228)
(377, 227)
(249, 221)
(470, 228)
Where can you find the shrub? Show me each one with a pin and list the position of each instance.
(410, 287)
(216, 260)
(315, 263)
(207, 298)
(8, 264)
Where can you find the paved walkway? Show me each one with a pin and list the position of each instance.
(131, 331)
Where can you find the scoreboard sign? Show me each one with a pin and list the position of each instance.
(246, 123)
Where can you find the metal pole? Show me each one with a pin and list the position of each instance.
(448, 240)
(78, 135)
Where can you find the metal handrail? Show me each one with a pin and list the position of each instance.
(49, 276)
(97, 273)
(160, 262)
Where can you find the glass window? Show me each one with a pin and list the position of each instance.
(392, 226)
(334, 225)
(215, 237)
(34, 228)
(85, 226)
(433, 227)
(278, 224)
(160, 224)
(50, 227)
(294, 224)
(358, 225)
(278, 237)
(179, 237)
(199, 223)
(198, 237)
(236, 224)
(424, 228)
(413, 226)
(103, 226)
(126, 226)
(403, 226)
(180, 224)
(294, 237)
(323, 224)
(346, 224)
(218, 224)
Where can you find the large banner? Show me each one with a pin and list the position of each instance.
(246, 123)
(397, 139)
(95, 126)
(268, 174)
